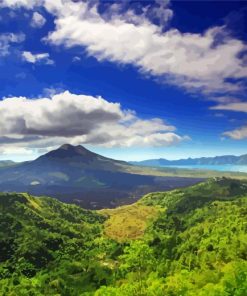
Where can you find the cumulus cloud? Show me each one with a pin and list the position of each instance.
(7, 39)
(37, 58)
(38, 20)
(78, 119)
(237, 134)
(136, 133)
(64, 114)
(202, 62)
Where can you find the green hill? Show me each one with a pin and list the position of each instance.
(191, 241)
(190, 198)
(42, 240)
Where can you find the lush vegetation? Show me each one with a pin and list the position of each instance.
(191, 241)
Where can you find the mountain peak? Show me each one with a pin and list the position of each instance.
(69, 147)
(68, 151)
(66, 146)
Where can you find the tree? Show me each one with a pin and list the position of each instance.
(139, 259)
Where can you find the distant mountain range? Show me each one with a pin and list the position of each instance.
(75, 174)
(217, 160)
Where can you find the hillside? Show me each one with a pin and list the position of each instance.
(77, 175)
(42, 235)
(217, 160)
(191, 241)
(6, 163)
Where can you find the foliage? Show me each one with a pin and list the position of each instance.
(192, 241)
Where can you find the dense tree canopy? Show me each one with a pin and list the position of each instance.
(195, 244)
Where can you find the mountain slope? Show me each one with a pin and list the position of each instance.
(187, 199)
(39, 234)
(6, 163)
(217, 160)
(51, 248)
(75, 174)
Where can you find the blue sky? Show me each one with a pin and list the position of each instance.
(129, 80)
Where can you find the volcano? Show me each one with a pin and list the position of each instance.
(74, 174)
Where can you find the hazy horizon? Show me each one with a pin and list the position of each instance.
(109, 155)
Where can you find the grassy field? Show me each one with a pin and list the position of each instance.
(128, 222)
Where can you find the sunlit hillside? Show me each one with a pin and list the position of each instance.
(190, 241)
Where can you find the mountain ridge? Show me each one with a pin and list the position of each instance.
(216, 160)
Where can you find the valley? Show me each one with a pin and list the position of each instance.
(190, 241)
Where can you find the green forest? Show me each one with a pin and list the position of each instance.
(189, 241)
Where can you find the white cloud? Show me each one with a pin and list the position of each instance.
(78, 119)
(195, 61)
(29, 4)
(76, 59)
(205, 62)
(161, 11)
(137, 139)
(38, 20)
(237, 107)
(135, 133)
(224, 100)
(14, 151)
(64, 114)
(237, 134)
(7, 39)
(37, 58)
